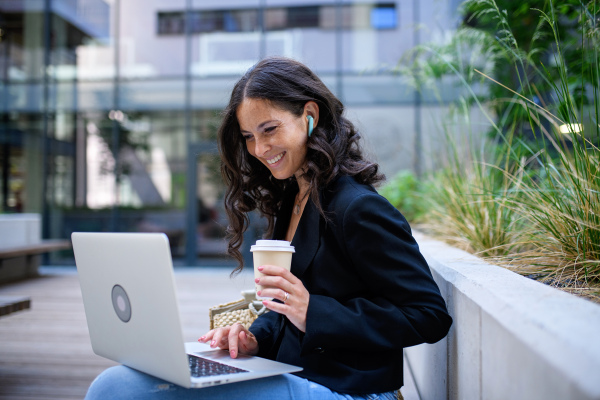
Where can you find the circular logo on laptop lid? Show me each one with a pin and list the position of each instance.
(121, 303)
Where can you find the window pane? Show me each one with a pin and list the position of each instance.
(303, 17)
(171, 23)
(276, 18)
(241, 21)
(207, 21)
(384, 17)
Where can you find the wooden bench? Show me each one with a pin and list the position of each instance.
(43, 246)
(22, 261)
(12, 304)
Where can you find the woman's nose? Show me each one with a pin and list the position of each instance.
(261, 147)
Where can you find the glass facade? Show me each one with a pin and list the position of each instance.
(109, 108)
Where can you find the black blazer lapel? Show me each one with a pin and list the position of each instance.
(306, 239)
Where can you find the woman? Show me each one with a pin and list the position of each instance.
(359, 290)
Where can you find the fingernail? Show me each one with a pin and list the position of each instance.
(257, 280)
(213, 343)
(202, 338)
(261, 268)
(258, 292)
(232, 353)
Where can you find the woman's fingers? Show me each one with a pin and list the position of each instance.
(216, 337)
(282, 285)
(276, 293)
(207, 338)
(273, 270)
(220, 339)
(241, 341)
(276, 278)
(248, 343)
(235, 338)
(295, 311)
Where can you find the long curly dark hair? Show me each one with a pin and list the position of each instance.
(333, 147)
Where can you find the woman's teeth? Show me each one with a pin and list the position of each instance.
(275, 159)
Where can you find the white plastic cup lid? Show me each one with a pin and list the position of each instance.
(272, 245)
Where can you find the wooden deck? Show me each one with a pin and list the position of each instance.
(45, 352)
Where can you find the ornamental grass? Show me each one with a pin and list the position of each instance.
(529, 197)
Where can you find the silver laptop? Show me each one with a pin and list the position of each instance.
(132, 313)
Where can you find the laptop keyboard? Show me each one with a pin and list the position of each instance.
(200, 367)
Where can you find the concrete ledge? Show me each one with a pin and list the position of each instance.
(512, 337)
(19, 230)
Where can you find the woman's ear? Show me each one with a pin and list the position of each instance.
(311, 108)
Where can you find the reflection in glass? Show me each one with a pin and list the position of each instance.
(104, 109)
(212, 220)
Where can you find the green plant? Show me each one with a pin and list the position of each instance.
(564, 210)
(471, 202)
(526, 42)
(532, 201)
(406, 193)
(564, 205)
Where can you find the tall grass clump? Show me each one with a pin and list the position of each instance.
(469, 200)
(563, 203)
(531, 201)
(471, 208)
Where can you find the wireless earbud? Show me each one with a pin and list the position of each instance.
(311, 122)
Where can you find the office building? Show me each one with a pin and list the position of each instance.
(109, 108)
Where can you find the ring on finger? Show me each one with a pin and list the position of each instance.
(285, 299)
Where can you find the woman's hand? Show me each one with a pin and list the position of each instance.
(281, 284)
(235, 338)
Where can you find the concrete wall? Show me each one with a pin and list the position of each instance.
(19, 230)
(512, 337)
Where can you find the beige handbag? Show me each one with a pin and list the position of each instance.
(245, 311)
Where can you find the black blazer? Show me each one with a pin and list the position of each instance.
(371, 293)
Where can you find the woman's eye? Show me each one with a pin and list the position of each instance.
(248, 137)
(270, 129)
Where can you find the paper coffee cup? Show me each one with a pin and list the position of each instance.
(271, 252)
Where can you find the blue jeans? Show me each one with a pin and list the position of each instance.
(125, 383)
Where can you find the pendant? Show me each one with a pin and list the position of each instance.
(297, 209)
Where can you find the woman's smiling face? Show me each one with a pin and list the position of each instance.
(276, 137)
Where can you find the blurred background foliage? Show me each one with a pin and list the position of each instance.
(528, 197)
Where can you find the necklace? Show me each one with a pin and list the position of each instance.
(298, 202)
